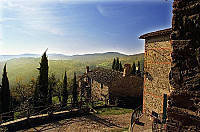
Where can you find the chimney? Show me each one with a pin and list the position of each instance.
(127, 70)
(87, 69)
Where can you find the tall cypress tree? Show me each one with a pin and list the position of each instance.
(64, 91)
(113, 65)
(133, 69)
(117, 65)
(138, 71)
(42, 88)
(52, 84)
(5, 94)
(74, 92)
(120, 67)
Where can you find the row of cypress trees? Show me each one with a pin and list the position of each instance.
(117, 65)
(43, 90)
(135, 71)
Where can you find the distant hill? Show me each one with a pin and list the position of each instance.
(85, 57)
(25, 67)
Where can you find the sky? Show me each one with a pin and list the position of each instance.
(73, 27)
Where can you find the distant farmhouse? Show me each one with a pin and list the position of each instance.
(112, 87)
(157, 66)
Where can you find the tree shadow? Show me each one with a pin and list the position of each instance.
(67, 122)
(102, 121)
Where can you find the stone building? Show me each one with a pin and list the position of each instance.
(112, 87)
(157, 66)
(183, 112)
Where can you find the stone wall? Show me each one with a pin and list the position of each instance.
(157, 68)
(98, 92)
(184, 102)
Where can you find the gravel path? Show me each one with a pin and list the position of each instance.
(89, 123)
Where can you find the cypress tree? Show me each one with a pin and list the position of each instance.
(133, 69)
(41, 92)
(5, 94)
(138, 71)
(52, 84)
(64, 91)
(113, 65)
(117, 65)
(120, 67)
(74, 92)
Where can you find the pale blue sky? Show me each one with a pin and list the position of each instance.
(79, 27)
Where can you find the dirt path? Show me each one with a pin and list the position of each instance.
(89, 123)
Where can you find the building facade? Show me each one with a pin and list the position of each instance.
(112, 87)
(157, 66)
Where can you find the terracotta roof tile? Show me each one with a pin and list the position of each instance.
(157, 33)
(105, 76)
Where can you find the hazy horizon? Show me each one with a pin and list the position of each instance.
(74, 54)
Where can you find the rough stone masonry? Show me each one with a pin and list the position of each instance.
(184, 102)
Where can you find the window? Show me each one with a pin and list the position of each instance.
(101, 85)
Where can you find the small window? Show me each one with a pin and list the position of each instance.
(101, 85)
(92, 80)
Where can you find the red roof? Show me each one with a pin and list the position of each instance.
(127, 65)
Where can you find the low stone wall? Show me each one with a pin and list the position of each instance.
(33, 121)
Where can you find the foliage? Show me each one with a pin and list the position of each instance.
(22, 92)
(138, 70)
(5, 93)
(41, 91)
(120, 67)
(74, 92)
(5, 98)
(133, 69)
(64, 91)
(116, 67)
(114, 63)
(52, 84)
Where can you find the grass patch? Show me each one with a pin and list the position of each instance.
(113, 111)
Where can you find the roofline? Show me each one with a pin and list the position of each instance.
(156, 33)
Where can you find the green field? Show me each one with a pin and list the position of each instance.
(26, 67)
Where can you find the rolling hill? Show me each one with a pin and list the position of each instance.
(25, 67)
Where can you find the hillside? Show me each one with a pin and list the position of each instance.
(26, 67)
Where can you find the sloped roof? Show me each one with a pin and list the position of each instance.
(105, 76)
(129, 86)
(157, 33)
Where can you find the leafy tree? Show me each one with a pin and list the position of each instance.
(133, 69)
(114, 63)
(22, 92)
(5, 94)
(74, 92)
(41, 92)
(138, 71)
(120, 67)
(64, 91)
(117, 64)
